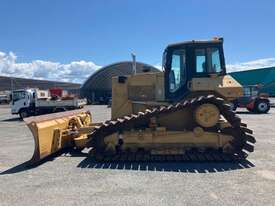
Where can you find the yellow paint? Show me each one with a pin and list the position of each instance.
(158, 139)
(226, 86)
(207, 115)
(54, 132)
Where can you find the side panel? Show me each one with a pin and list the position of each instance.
(226, 86)
(160, 88)
(129, 95)
(120, 103)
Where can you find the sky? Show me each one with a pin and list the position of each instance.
(68, 40)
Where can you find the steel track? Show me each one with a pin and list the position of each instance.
(243, 142)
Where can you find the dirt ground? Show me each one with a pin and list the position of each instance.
(76, 179)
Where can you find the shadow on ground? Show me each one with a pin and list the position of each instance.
(28, 166)
(13, 119)
(251, 113)
(186, 167)
(171, 166)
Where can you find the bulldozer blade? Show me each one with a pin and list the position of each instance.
(48, 132)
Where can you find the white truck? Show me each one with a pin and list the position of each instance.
(30, 102)
(4, 99)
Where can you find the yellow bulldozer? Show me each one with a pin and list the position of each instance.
(182, 113)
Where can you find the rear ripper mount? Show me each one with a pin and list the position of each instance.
(241, 144)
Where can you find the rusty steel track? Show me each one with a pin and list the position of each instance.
(243, 142)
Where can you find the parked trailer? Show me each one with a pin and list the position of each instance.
(31, 102)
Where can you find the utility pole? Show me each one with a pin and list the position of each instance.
(12, 87)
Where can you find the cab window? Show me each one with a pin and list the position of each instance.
(177, 74)
(214, 62)
(200, 61)
(16, 95)
(208, 60)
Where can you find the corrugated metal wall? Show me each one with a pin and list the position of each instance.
(264, 76)
(12, 83)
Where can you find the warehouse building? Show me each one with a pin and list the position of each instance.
(264, 77)
(12, 83)
(98, 87)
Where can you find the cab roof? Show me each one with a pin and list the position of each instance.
(216, 40)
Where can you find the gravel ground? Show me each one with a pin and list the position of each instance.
(75, 179)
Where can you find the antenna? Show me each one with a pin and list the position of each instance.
(134, 64)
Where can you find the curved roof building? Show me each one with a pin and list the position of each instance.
(98, 87)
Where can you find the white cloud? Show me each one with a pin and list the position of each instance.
(76, 71)
(255, 64)
(79, 71)
(158, 66)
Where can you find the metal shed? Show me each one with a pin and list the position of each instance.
(264, 77)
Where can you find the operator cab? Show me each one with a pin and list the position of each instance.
(22, 94)
(184, 61)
